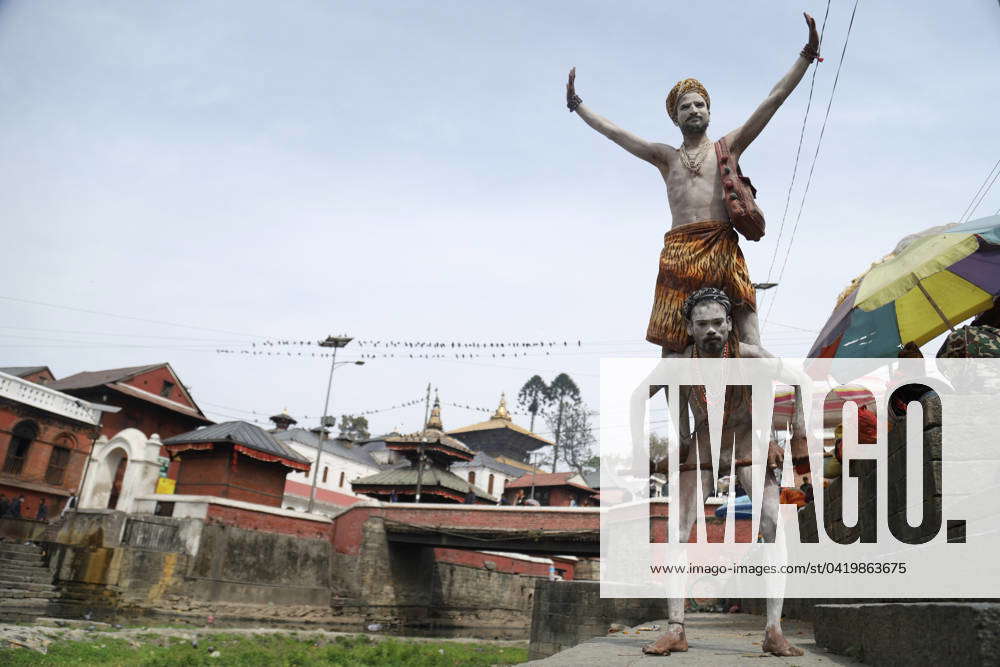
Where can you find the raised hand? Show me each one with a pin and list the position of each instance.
(811, 49)
(572, 99)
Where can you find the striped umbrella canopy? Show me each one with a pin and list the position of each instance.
(784, 404)
(930, 283)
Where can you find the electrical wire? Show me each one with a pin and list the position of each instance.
(798, 151)
(812, 168)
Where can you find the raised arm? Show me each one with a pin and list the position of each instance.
(637, 146)
(744, 135)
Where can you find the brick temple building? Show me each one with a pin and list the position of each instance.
(152, 399)
(36, 374)
(430, 481)
(552, 489)
(234, 460)
(45, 439)
(152, 404)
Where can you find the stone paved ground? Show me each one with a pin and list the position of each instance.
(714, 639)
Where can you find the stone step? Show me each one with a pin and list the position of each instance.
(15, 594)
(33, 577)
(38, 605)
(26, 586)
(19, 548)
(20, 558)
(897, 633)
(23, 568)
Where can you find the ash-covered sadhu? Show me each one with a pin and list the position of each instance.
(710, 200)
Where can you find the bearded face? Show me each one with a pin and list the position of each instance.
(710, 327)
(692, 114)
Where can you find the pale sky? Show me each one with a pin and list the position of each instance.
(409, 171)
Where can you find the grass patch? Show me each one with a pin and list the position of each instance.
(266, 650)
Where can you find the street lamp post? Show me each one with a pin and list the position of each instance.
(336, 342)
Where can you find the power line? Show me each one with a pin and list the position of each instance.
(124, 317)
(968, 206)
(983, 196)
(812, 168)
(798, 151)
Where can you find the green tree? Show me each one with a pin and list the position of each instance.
(576, 441)
(532, 397)
(354, 427)
(562, 392)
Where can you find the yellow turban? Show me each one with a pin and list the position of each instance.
(685, 86)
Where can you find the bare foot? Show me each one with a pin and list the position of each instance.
(671, 640)
(776, 644)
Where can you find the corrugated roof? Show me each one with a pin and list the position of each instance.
(310, 439)
(240, 433)
(484, 460)
(432, 476)
(550, 479)
(88, 379)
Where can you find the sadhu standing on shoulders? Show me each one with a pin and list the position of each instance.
(709, 201)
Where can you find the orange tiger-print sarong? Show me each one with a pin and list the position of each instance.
(700, 254)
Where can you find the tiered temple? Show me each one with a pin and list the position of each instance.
(431, 479)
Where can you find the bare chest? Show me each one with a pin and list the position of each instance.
(694, 189)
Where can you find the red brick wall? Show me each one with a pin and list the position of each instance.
(715, 529)
(302, 490)
(52, 430)
(269, 523)
(211, 473)
(153, 383)
(348, 526)
(136, 413)
(502, 563)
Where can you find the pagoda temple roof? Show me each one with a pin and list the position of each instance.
(432, 477)
(248, 439)
(500, 420)
(432, 436)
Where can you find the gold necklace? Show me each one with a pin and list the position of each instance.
(693, 164)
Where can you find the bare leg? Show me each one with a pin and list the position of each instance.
(774, 640)
(674, 638)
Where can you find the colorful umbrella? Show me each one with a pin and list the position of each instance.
(784, 404)
(932, 282)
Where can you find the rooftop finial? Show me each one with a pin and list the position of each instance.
(435, 419)
(502, 412)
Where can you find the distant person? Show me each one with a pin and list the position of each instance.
(43, 511)
(15, 508)
(572, 502)
(470, 497)
(394, 497)
(4, 505)
(532, 502)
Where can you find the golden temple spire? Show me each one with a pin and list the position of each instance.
(502, 412)
(434, 422)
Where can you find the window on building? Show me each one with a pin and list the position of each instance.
(341, 479)
(167, 388)
(20, 442)
(489, 488)
(472, 477)
(58, 462)
(326, 471)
